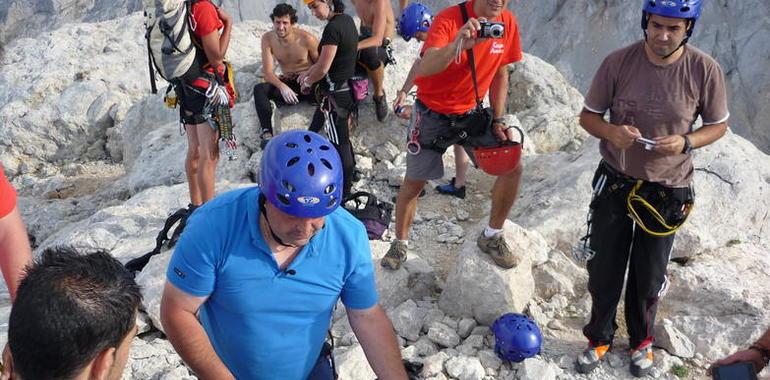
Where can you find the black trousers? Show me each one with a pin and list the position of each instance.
(264, 93)
(619, 244)
(340, 106)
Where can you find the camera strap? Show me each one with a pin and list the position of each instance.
(471, 60)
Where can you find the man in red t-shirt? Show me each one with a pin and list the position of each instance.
(445, 97)
(15, 252)
(202, 148)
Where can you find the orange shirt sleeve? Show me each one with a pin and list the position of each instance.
(7, 195)
(206, 19)
(442, 31)
(513, 46)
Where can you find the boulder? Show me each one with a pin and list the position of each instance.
(480, 289)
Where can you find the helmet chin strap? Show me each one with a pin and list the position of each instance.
(263, 211)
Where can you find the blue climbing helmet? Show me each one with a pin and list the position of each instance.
(686, 9)
(517, 337)
(415, 18)
(301, 174)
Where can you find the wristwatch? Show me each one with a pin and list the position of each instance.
(687, 148)
(499, 120)
(762, 350)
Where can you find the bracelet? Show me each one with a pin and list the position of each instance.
(499, 120)
(763, 351)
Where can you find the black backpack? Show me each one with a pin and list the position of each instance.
(374, 214)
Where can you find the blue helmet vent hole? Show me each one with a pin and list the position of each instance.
(310, 169)
(292, 161)
(288, 186)
(307, 138)
(283, 199)
(329, 189)
(332, 202)
(326, 163)
(291, 145)
(310, 150)
(685, 9)
(324, 147)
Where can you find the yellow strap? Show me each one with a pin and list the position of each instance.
(633, 197)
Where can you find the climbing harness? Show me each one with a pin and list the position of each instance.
(655, 210)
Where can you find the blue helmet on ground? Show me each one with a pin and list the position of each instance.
(415, 18)
(686, 9)
(517, 337)
(301, 174)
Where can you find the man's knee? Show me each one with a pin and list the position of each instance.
(411, 188)
(261, 90)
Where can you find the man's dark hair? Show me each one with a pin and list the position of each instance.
(284, 9)
(68, 308)
(339, 6)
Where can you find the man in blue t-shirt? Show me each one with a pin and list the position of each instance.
(263, 267)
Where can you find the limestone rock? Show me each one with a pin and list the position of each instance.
(672, 340)
(480, 289)
(352, 364)
(464, 368)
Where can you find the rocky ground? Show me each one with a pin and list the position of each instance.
(98, 163)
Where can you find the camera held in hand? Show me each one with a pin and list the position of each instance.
(491, 29)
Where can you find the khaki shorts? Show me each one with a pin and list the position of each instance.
(428, 163)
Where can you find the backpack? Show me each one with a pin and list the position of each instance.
(171, 47)
(374, 214)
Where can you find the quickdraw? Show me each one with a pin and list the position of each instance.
(225, 122)
(582, 252)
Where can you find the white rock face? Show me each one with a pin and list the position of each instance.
(481, 289)
(672, 340)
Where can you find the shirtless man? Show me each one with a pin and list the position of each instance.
(295, 50)
(377, 29)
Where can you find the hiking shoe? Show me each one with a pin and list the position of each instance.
(266, 136)
(498, 248)
(642, 360)
(396, 255)
(590, 358)
(450, 189)
(380, 106)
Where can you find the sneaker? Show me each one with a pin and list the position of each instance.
(498, 248)
(642, 360)
(266, 136)
(590, 358)
(396, 255)
(380, 106)
(450, 189)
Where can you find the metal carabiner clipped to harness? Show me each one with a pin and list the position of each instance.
(413, 147)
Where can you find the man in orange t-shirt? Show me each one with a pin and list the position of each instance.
(445, 98)
(15, 252)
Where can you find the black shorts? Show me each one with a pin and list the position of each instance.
(371, 58)
(191, 104)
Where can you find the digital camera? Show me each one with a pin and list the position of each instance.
(491, 29)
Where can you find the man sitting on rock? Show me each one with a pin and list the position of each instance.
(437, 116)
(654, 90)
(295, 50)
(257, 273)
(74, 317)
(377, 28)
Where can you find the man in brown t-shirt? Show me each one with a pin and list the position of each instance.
(654, 91)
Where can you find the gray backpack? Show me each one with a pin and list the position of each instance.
(171, 47)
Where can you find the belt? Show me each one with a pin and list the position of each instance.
(439, 115)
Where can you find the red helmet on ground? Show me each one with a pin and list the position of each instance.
(501, 159)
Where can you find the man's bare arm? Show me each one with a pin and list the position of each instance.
(378, 26)
(312, 47)
(15, 252)
(375, 332)
(268, 68)
(177, 314)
